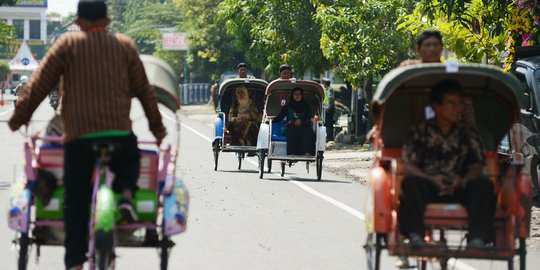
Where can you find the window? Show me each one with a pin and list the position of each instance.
(35, 30)
(19, 28)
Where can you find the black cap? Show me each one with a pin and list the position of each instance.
(284, 67)
(92, 10)
(241, 65)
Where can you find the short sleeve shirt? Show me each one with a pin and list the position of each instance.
(437, 153)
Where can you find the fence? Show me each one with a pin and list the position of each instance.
(195, 93)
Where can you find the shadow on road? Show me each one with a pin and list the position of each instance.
(4, 185)
(238, 171)
(299, 179)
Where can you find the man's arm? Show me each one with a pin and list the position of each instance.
(41, 83)
(411, 169)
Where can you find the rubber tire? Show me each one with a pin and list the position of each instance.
(522, 253)
(373, 248)
(262, 156)
(22, 256)
(534, 178)
(318, 164)
(240, 157)
(164, 256)
(421, 265)
(282, 169)
(103, 249)
(216, 148)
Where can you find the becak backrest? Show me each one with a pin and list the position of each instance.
(51, 159)
(149, 169)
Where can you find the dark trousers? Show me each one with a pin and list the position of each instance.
(478, 198)
(300, 140)
(79, 161)
(329, 123)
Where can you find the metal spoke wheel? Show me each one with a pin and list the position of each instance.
(282, 168)
(262, 156)
(535, 164)
(216, 147)
(319, 164)
(22, 243)
(373, 249)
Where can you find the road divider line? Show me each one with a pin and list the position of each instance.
(342, 206)
(186, 126)
(329, 199)
(2, 113)
(196, 132)
(459, 265)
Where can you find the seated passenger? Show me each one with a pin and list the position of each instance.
(442, 162)
(244, 119)
(297, 125)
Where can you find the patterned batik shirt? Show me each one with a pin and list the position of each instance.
(437, 153)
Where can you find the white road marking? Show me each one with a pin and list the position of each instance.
(457, 264)
(331, 200)
(2, 113)
(196, 132)
(188, 127)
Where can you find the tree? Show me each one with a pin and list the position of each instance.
(274, 32)
(362, 37)
(6, 31)
(523, 29)
(211, 49)
(4, 71)
(53, 24)
(116, 13)
(144, 20)
(473, 29)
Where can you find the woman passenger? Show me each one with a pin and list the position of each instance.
(297, 125)
(244, 119)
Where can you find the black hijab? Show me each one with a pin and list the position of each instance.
(297, 106)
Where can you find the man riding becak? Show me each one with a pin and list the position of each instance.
(443, 161)
(99, 73)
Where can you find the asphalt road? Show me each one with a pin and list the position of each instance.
(236, 221)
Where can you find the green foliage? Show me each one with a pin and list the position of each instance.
(8, 2)
(4, 71)
(211, 50)
(7, 32)
(116, 13)
(473, 29)
(143, 20)
(363, 38)
(271, 32)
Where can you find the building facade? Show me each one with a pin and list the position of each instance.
(29, 17)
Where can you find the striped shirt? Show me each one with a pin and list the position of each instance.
(99, 73)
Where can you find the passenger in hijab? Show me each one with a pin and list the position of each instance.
(297, 127)
(244, 119)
